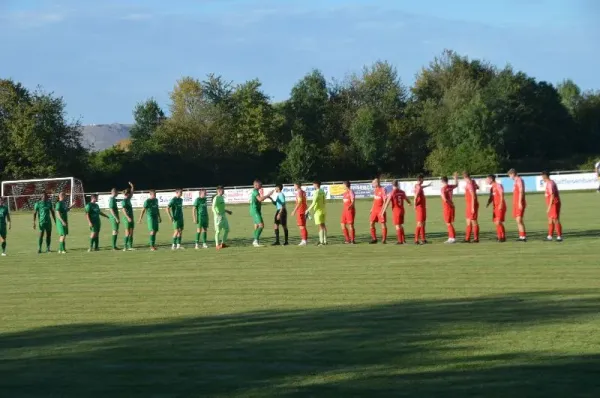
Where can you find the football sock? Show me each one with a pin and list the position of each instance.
(402, 236)
(502, 231)
(423, 233)
(3, 246)
(384, 234)
(468, 232)
(48, 240)
(325, 236)
(197, 237)
(550, 229)
(353, 234)
(417, 233)
(203, 237)
(174, 240)
(286, 234)
(40, 242)
(399, 235)
(91, 243)
(559, 229)
(225, 235)
(277, 235)
(114, 241)
(96, 242)
(373, 234)
(346, 234)
(258, 233)
(476, 232)
(451, 232)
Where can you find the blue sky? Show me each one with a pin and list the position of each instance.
(104, 56)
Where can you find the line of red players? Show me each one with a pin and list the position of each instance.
(397, 197)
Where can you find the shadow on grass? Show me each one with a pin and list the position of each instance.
(413, 348)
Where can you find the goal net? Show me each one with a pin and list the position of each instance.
(22, 194)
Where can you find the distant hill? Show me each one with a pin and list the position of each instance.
(99, 137)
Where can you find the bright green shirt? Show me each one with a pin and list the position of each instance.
(176, 206)
(151, 206)
(201, 208)
(93, 210)
(255, 204)
(128, 207)
(3, 215)
(43, 208)
(318, 203)
(62, 209)
(112, 205)
(218, 205)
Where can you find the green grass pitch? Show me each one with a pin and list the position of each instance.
(487, 320)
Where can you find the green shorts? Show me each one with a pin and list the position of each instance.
(63, 230)
(178, 224)
(95, 228)
(221, 223)
(3, 232)
(319, 218)
(152, 224)
(257, 218)
(127, 224)
(203, 222)
(46, 227)
(113, 223)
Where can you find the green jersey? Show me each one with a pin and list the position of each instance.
(151, 206)
(255, 204)
(128, 207)
(112, 205)
(62, 209)
(3, 215)
(318, 203)
(93, 212)
(218, 205)
(200, 206)
(176, 206)
(43, 208)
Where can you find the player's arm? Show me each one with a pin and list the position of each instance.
(114, 214)
(35, 213)
(142, 214)
(491, 198)
(352, 197)
(131, 188)
(297, 205)
(103, 214)
(168, 210)
(521, 193)
(159, 217)
(386, 203)
(60, 216)
(262, 198)
(8, 222)
(314, 202)
(407, 200)
(195, 212)
(87, 216)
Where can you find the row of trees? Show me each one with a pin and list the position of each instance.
(459, 114)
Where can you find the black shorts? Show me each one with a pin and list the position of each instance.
(282, 219)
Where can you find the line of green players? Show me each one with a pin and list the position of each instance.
(45, 214)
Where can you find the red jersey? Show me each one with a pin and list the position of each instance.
(519, 188)
(447, 193)
(497, 195)
(551, 189)
(397, 198)
(419, 196)
(471, 193)
(348, 199)
(301, 201)
(379, 198)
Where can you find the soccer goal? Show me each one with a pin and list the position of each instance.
(22, 194)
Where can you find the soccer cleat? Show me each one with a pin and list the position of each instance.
(3, 254)
(276, 244)
(204, 246)
(39, 251)
(466, 241)
(89, 250)
(450, 241)
(549, 238)
(153, 249)
(384, 242)
(256, 244)
(197, 246)
(131, 249)
(179, 247)
(347, 242)
(124, 249)
(224, 246)
(302, 243)
(353, 242)
(172, 247)
(522, 240)
(476, 241)
(559, 239)
(424, 242)
(373, 242)
(399, 243)
(286, 243)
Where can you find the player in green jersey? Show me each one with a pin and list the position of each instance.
(152, 212)
(43, 212)
(220, 217)
(256, 200)
(113, 216)
(318, 205)
(128, 219)
(175, 212)
(92, 215)
(62, 222)
(201, 218)
(4, 223)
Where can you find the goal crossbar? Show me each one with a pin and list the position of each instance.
(75, 187)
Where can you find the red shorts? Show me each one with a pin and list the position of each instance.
(518, 212)
(398, 216)
(499, 215)
(301, 219)
(449, 213)
(376, 216)
(420, 214)
(348, 216)
(470, 215)
(554, 212)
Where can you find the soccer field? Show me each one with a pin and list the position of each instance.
(486, 320)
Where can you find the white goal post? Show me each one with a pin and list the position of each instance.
(22, 194)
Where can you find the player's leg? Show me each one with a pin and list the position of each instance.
(276, 223)
(197, 238)
(174, 236)
(180, 227)
(468, 230)
(344, 227)
(284, 225)
(382, 218)
(48, 237)
(115, 232)
(259, 226)
(225, 227)
(40, 238)
(521, 228)
(3, 240)
(372, 220)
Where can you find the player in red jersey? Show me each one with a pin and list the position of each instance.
(471, 208)
(553, 209)
(348, 214)
(377, 216)
(499, 214)
(448, 206)
(300, 213)
(519, 203)
(420, 210)
(397, 198)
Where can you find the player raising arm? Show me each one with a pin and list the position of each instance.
(128, 218)
(256, 200)
(220, 217)
(200, 215)
(320, 212)
(300, 213)
(4, 222)
(113, 216)
(397, 198)
(471, 208)
(553, 207)
(44, 213)
(377, 215)
(448, 206)
(152, 213)
(519, 203)
(62, 222)
(348, 215)
(93, 214)
(175, 212)
(499, 212)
